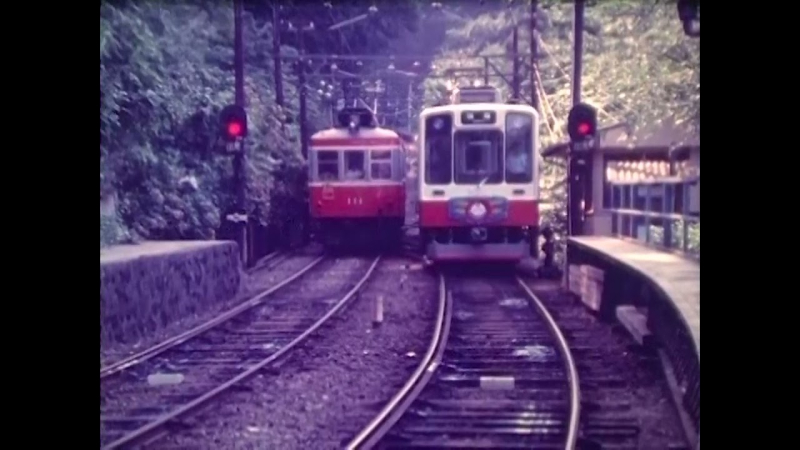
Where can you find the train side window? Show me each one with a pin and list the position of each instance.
(327, 165)
(381, 165)
(354, 165)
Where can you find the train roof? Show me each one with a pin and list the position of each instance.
(406, 136)
(338, 133)
(460, 107)
(369, 137)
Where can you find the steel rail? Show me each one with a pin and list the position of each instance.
(146, 432)
(167, 344)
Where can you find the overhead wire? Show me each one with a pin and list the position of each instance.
(547, 108)
(566, 75)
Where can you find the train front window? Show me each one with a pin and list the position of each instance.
(519, 148)
(381, 165)
(439, 149)
(327, 165)
(439, 162)
(479, 156)
(354, 165)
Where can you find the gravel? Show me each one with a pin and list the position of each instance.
(327, 390)
(253, 283)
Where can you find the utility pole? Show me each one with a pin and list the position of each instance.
(534, 52)
(240, 160)
(276, 51)
(409, 105)
(577, 63)
(301, 79)
(579, 167)
(515, 84)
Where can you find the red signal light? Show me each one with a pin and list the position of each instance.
(584, 128)
(234, 129)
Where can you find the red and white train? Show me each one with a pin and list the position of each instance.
(479, 179)
(357, 192)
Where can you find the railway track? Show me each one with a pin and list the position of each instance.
(277, 257)
(143, 396)
(498, 374)
(269, 261)
(610, 368)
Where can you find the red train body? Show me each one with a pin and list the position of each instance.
(370, 200)
(357, 183)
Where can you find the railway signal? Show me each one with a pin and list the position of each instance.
(689, 13)
(233, 123)
(582, 127)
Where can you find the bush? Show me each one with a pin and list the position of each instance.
(166, 70)
(112, 231)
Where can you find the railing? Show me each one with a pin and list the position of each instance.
(664, 213)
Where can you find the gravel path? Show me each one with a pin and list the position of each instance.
(259, 280)
(331, 387)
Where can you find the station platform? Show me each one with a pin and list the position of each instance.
(676, 276)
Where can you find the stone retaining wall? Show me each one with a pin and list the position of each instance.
(145, 287)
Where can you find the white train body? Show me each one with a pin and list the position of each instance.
(479, 164)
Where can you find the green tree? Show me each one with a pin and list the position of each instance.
(166, 70)
(638, 67)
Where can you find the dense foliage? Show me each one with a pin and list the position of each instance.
(638, 67)
(166, 69)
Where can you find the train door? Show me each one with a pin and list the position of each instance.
(328, 170)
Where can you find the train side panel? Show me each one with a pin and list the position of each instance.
(350, 201)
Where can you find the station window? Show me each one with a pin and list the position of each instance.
(479, 157)
(354, 165)
(381, 165)
(328, 165)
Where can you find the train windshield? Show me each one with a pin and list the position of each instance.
(354, 165)
(439, 149)
(327, 165)
(479, 156)
(519, 148)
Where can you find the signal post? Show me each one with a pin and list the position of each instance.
(582, 129)
(233, 130)
(234, 123)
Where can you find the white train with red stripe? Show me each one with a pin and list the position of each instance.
(479, 179)
(357, 182)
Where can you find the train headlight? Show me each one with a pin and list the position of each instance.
(487, 116)
(477, 210)
(470, 116)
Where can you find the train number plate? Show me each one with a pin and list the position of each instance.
(327, 192)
